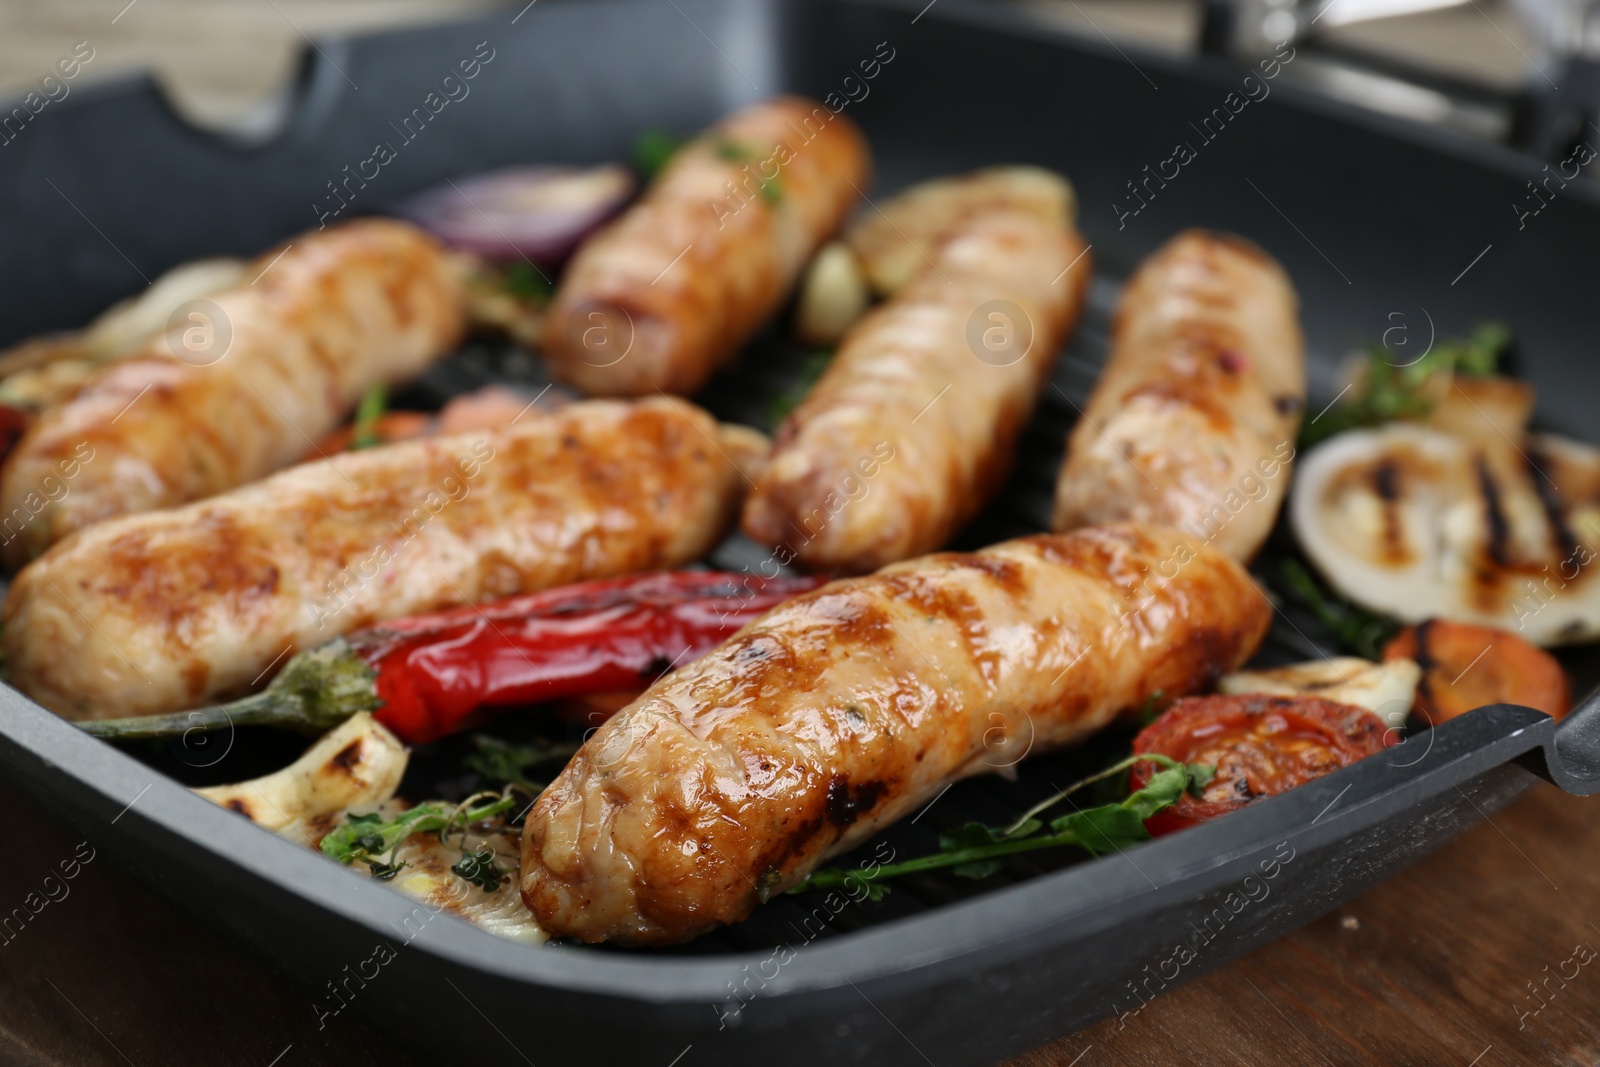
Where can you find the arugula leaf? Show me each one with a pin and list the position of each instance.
(654, 149)
(1108, 828)
(1390, 391)
(479, 869)
(1164, 789)
(977, 851)
(978, 868)
(969, 835)
(875, 891)
(1358, 631)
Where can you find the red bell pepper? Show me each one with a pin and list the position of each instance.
(428, 676)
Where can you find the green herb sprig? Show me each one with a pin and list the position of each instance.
(654, 149)
(368, 415)
(1359, 631)
(366, 838)
(977, 851)
(1389, 391)
(479, 869)
(810, 371)
(503, 763)
(731, 151)
(524, 282)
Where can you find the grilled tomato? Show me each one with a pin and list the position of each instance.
(1260, 744)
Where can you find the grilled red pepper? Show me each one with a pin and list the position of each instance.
(435, 670)
(426, 676)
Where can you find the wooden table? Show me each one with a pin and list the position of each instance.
(1433, 967)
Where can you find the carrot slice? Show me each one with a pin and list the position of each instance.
(1466, 667)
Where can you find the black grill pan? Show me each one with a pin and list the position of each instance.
(1372, 218)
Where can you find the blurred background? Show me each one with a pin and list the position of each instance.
(224, 63)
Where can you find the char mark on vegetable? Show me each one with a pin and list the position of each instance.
(1494, 514)
(348, 758)
(1555, 510)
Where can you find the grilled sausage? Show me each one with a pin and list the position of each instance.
(239, 389)
(893, 242)
(666, 294)
(1194, 419)
(836, 713)
(168, 609)
(877, 464)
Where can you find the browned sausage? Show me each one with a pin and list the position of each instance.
(239, 391)
(837, 713)
(1194, 420)
(169, 609)
(666, 294)
(913, 427)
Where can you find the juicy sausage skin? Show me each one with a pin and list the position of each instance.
(824, 499)
(838, 712)
(237, 390)
(665, 295)
(1194, 419)
(169, 609)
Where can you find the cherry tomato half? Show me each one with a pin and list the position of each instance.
(1261, 745)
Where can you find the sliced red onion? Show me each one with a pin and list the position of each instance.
(538, 212)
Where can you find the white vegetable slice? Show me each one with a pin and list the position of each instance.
(425, 876)
(360, 763)
(1419, 523)
(1387, 689)
(355, 769)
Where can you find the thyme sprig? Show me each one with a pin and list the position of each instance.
(374, 840)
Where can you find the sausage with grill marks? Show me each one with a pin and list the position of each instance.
(842, 710)
(171, 609)
(239, 388)
(662, 297)
(913, 426)
(1194, 420)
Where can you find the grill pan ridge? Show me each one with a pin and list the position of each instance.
(973, 970)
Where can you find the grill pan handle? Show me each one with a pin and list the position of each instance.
(1556, 108)
(1572, 761)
